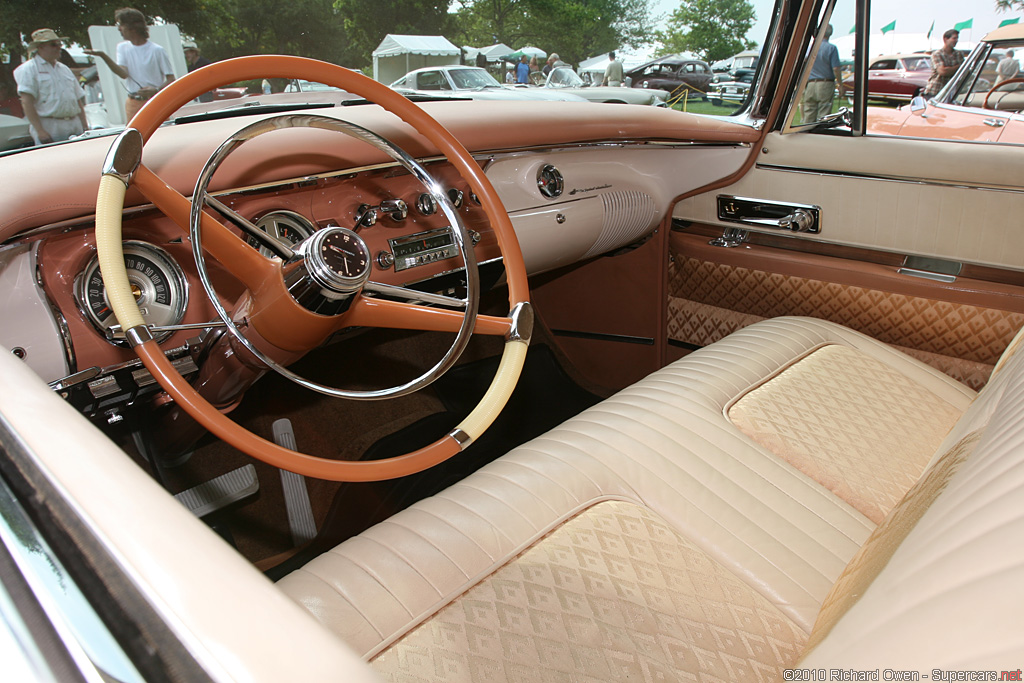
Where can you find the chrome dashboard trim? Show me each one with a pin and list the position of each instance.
(58, 316)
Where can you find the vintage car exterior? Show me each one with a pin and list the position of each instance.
(972, 106)
(565, 80)
(672, 73)
(897, 78)
(473, 82)
(417, 391)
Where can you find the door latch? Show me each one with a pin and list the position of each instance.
(762, 213)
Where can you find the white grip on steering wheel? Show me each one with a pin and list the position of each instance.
(109, 204)
(509, 369)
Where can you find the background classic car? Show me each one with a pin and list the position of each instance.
(643, 532)
(565, 80)
(897, 78)
(472, 82)
(670, 73)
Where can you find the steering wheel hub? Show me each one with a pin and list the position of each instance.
(328, 269)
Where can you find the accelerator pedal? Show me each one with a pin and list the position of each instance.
(220, 492)
(296, 495)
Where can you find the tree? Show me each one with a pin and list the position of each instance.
(365, 24)
(713, 29)
(575, 29)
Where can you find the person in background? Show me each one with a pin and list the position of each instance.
(534, 66)
(510, 76)
(51, 96)
(826, 74)
(143, 64)
(945, 61)
(523, 70)
(613, 72)
(196, 61)
(1008, 68)
(548, 64)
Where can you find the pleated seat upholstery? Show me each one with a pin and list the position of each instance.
(691, 527)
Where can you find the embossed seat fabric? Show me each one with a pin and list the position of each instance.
(688, 528)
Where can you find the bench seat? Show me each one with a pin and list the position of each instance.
(694, 524)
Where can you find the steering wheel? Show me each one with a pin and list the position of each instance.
(997, 86)
(296, 303)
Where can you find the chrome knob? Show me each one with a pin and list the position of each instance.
(396, 208)
(798, 221)
(385, 259)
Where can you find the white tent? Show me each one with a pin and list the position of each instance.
(397, 55)
(493, 53)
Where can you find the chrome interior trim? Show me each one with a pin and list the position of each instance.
(125, 156)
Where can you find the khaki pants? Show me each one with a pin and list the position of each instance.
(817, 102)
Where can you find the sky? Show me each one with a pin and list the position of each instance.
(911, 16)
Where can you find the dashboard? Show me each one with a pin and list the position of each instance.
(567, 205)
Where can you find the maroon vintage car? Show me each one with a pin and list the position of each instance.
(896, 78)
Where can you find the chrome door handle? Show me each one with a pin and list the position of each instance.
(800, 220)
(995, 123)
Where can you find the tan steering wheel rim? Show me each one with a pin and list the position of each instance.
(119, 173)
(997, 86)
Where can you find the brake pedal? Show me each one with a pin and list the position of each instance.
(220, 492)
(296, 495)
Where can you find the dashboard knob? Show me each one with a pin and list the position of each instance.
(456, 197)
(550, 181)
(385, 259)
(426, 204)
(396, 208)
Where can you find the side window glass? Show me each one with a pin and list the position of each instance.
(943, 70)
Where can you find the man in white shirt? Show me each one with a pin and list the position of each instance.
(51, 96)
(143, 64)
(1008, 68)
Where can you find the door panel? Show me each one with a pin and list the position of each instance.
(960, 328)
(921, 197)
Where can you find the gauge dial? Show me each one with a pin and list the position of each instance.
(157, 282)
(286, 227)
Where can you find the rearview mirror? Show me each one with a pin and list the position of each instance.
(918, 104)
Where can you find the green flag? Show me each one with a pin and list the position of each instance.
(889, 27)
(853, 29)
(1007, 22)
(932, 28)
(964, 24)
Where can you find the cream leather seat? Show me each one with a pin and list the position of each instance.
(696, 523)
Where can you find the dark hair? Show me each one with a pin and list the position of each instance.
(611, 55)
(133, 18)
(950, 33)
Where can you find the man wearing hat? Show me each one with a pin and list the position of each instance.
(196, 61)
(51, 96)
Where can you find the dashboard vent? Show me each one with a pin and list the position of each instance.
(627, 216)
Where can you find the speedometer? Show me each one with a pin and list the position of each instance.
(157, 282)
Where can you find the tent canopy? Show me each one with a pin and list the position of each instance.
(493, 53)
(397, 55)
(528, 51)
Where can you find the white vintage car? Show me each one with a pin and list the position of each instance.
(412, 391)
(472, 82)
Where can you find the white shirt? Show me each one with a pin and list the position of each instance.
(148, 64)
(53, 86)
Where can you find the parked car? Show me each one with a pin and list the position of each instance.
(13, 132)
(376, 389)
(972, 105)
(731, 91)
(896, 78)
(741, 60)
(672, 74)
(565, 80)
(472, 82)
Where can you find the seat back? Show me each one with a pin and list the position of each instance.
(939, 581)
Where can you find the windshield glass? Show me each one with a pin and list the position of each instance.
(471, 79)
(115, 58)
(564, 78)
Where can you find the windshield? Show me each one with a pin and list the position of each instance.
(564, 46)
(564, 78)
(472, 79)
